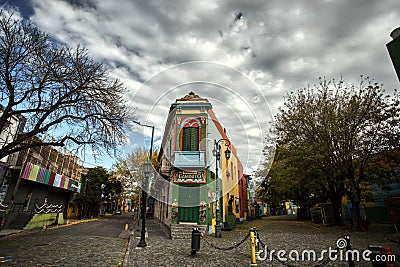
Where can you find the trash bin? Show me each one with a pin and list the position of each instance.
(195, 240)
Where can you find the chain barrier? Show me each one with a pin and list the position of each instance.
(228, 248)
(259, 242)
(321, 264)
(4, 259)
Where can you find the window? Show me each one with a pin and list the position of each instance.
(190, 139)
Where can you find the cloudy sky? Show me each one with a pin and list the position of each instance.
(243, 56)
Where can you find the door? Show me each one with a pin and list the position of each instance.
(28, 199)
(189, 204)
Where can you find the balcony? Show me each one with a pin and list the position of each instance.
(165, 167)
(189, 160)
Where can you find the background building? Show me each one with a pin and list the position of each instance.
(37, 184)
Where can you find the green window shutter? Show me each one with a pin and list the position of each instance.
(194, 139)
(186, 139)
(190, 139)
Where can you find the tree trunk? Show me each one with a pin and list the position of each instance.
(304, 199)
(302, 213)
(337, 208)
(336, 199)
(358, 223)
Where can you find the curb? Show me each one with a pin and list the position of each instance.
(50, 227)
(127, 252)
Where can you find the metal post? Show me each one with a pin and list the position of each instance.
(253, 246)
(142, 242)
(348, 248)
(217, 219)
(195, 240)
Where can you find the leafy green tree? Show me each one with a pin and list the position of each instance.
(99, 187)
(337, 128)
(291, 177)
(128, 172)
(386, 167)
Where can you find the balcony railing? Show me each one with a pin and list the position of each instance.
(189, 160)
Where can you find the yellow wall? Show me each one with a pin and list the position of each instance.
(229, 184)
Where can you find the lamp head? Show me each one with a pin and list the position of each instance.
(227, 153)
(214, 151)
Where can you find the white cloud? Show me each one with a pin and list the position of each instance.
(277, 45)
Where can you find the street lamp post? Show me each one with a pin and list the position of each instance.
(146, 171)
(217, 154)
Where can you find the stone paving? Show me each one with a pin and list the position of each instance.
(82, 245)
(278, 233)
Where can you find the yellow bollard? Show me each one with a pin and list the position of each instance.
(253, 246)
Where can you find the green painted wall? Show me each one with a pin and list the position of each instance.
(204, 197)
(39, 220)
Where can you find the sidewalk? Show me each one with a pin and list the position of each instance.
(278, 233)
(6, 232)
(9, 232)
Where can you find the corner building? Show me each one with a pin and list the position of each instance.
(188, 196)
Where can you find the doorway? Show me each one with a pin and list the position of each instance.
(189, 204)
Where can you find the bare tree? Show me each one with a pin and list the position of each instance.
(60, 91)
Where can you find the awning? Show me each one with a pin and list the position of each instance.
(41, 175)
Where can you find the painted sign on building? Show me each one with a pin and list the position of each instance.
(197, 177)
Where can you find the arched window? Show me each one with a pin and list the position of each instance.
(190, 139)
(190, 134)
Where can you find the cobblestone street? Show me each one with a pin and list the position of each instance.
(103, 242)
(278, 233)
(92, 243)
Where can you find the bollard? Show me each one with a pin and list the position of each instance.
(348, 248)
(253, 244)
(376, 250)
(195, 240)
